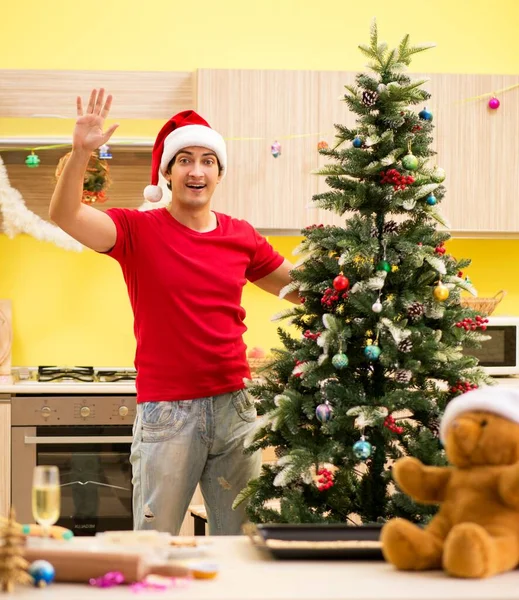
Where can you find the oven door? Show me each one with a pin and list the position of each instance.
(95, 474)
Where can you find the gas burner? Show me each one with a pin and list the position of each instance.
(85, 374)
(116, 375)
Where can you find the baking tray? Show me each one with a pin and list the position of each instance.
(318, 541)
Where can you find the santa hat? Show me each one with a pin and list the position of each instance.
(185, 129)
(498, 399)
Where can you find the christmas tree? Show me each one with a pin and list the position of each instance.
(13, 567)
(382, 330)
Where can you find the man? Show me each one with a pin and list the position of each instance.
(185, 267)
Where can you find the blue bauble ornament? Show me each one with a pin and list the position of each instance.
(372, 352)
(357, 142)
(340, 360)
(362, 449)
(425, 114)
(324, 412)
(431, 200)
(42, 572)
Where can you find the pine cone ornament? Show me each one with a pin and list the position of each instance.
(390, 228)
(374, 232)
(279, 451)
(369, 98)
(415, 311)
(403, 376)
(405, 345)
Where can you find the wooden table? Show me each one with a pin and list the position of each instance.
(248, 573)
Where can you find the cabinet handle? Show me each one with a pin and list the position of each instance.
(108, 439)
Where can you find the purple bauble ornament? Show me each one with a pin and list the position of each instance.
(324, 412)
(493, 103)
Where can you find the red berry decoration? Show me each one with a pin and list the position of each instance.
(311, 336)
(440, 249)
(396, 179)
(341, 283)
(461, 387)
(390, 423)
(469, 324)
(325, 480)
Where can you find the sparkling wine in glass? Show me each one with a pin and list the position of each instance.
(46, 496)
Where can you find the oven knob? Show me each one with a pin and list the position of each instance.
(46, 411)
(85, 411)
(123, 411)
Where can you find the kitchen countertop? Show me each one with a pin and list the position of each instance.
(248, 572)
(36, 387)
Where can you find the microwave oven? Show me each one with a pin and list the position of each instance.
(500, 354)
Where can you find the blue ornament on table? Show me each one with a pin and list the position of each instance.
(357, 142)
(431, 200)
(42, 573)
(340, 360)
(372, 352)
(426, 114)
(324, 412)
(362, 449)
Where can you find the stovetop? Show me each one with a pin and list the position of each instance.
(76, 374)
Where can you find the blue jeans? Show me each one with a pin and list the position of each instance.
(177, 445)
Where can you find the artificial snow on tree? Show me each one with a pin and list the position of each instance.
(379, 355)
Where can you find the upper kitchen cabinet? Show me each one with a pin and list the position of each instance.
(475, 145)
(253, 110)
(142, 101)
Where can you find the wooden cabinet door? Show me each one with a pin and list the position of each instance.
(253, 109)
(5, 457)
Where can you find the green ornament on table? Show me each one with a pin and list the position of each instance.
(383, 265)
(32, 160)
(340, 360)
(410, 162)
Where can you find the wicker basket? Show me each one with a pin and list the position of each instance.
(485, 306)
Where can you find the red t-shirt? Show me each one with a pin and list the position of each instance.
(185, 289)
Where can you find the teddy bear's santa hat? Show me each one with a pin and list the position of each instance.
(498, 399)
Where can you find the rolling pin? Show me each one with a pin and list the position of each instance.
(78, 566)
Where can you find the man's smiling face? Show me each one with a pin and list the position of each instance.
(193, 176)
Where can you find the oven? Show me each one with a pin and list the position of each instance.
(88, 437)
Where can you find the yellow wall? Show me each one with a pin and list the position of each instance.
(72, 308)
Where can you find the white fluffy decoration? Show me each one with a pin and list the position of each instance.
(153, 193)
(19, 219)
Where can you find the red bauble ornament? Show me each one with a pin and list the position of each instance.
(341, 283)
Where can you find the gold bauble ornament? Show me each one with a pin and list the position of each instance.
(441, 292)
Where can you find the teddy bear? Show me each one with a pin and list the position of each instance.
(475, 533)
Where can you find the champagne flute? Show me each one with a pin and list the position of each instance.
(46, 496)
